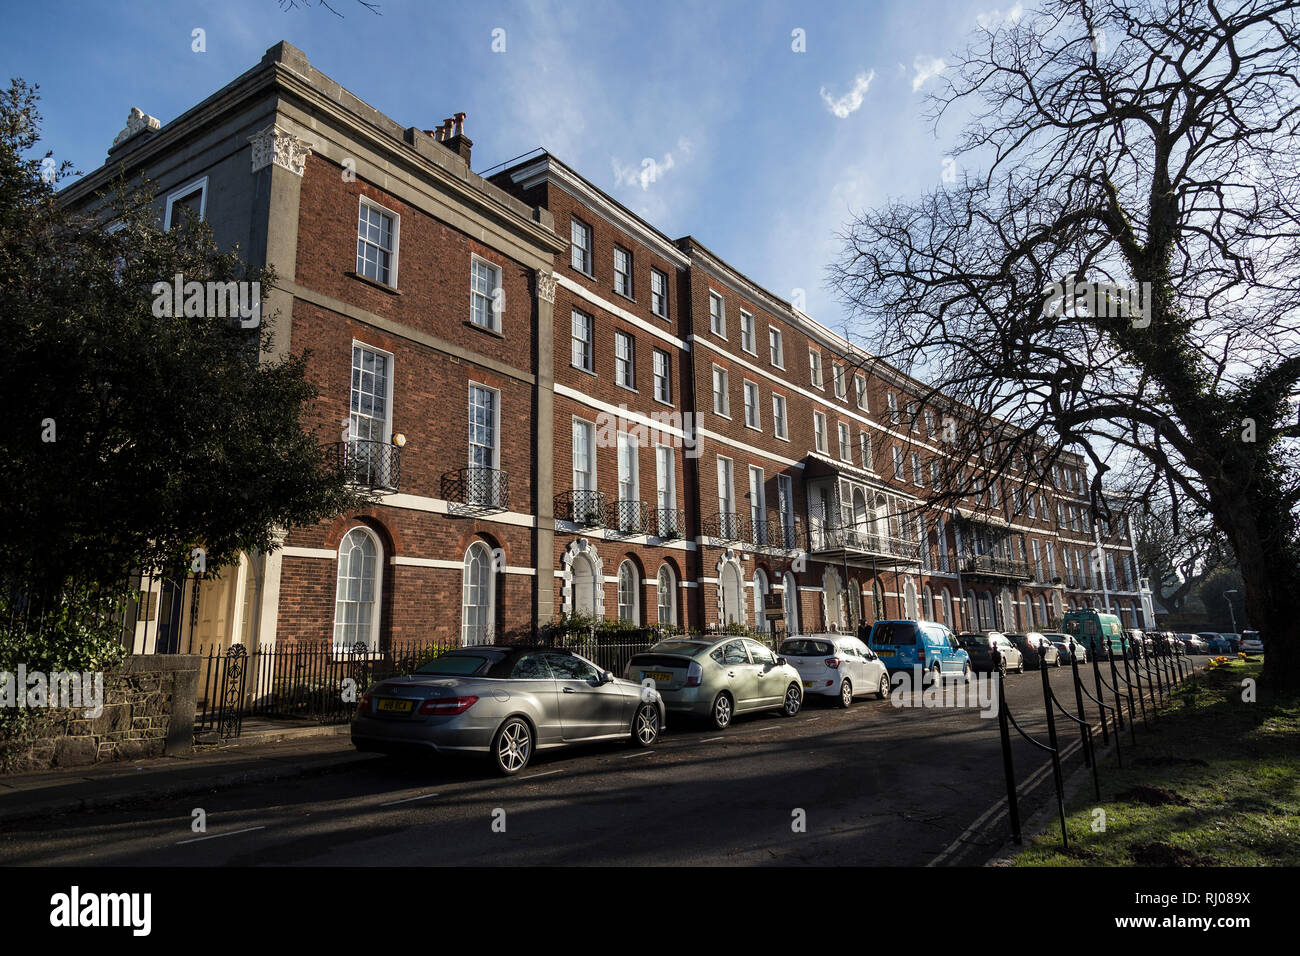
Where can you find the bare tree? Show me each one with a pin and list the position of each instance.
(1145, 152)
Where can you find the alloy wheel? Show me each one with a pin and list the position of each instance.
(846, 693)
(793, 700)
(514, 746)
(722, 712)
(645, 729)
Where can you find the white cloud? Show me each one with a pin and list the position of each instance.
(852, 100)
(650, 168)
(991, 17)
(926, 67)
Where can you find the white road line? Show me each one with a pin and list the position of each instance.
(393, 803)
(545, 773)
(641, 753)
(215, 836)
(710, 739)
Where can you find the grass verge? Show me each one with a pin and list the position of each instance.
(1214, 782)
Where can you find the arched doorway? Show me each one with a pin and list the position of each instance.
(731, 596)
(790, 598)
(761, 590)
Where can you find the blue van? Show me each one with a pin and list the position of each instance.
(903, 645)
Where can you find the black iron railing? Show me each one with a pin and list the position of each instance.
(584, 508)
(774, 534)
(996, 566)
(626, 519)
(369, 463)
(476, 491)
(861, 537)
(669, 524)
(726, 527)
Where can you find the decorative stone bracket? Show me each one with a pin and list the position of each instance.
(281, 147)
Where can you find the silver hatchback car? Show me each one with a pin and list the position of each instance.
(506, 702)
(718, 678)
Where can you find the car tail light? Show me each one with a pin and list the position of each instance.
(363, 704)
(833, 663)
(447, 706)
(694, 674)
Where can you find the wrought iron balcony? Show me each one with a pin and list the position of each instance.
(993, 566)
(476, 491)
(625, 519)
(775, 535)
(726, 527)
(584, 508)
(669, 524)
(861, 539)
(376, 465)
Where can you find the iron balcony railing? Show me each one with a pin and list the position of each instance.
(579, 506)
(993, 565)
(628, 518)
(369, 463)
(774, 534)
(476, 491)
(861, 537)
(669, 524)
(726, 527)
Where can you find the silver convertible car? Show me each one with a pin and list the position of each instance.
(718, 678)
(506, 702)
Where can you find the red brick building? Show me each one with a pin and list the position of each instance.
(565, 411)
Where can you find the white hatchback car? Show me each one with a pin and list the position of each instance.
(836, 665)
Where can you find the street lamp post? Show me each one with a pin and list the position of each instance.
(1231, 611)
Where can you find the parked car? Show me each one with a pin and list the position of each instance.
(1137, 642)
(1096, 630)
(1251, 642)
(1232, 640)
(1068, 647)
(991, 651)
(836, 665)
(718, 678)
(903, 645)
(1038, 651)
(1193, 643)
(1215, 642)
(507, 702)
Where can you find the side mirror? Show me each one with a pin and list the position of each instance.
(780, 661)
(606, 677)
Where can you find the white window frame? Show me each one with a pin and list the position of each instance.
(753, 414)
(720, 327)
(628, 274)
(373, 639)
(839, 380)
(493, 315)
(747, 327)
(589, 476)
(780, 427)
(815, 377)
(662, 294)
(860, 387)
(201, 184)
(665, 394)
(589, 342)
(495, 425)
(900, 472)
(775, 343)
(397, 239)
(388, 388)
(726, 486)
(819, 432)
(629, 478)
(626, 363)
(844, 435)
(725, 411)
(864, 447)
(489, 607)
(918, 473)
(588, 253)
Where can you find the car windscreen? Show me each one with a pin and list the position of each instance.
(973, 640)
(458, 664)
(893, 632)
(806, 648)
(689, 648)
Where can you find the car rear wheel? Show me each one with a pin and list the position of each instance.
(882, 690)
(846, 693)
(645, 725)
(1002, 667)
(1021, 668)
(793, 700)
(722, 711)
(512, 747)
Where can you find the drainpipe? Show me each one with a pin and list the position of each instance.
(1101, 566)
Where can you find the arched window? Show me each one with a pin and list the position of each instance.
(791, 601)
(947, 610)
(760, 600)
(909, 599)
(927, 603)
(731, 594)
(834, 595)
(356, 597)
(666, 594)
(629, 603)
(477, 595)
(584, 585)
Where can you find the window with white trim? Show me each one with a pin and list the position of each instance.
(726, 486)
(841, 387)
(918, 476)
(582, 330)
(584, 455)
(846, 443)
(580, 245)
(778, 416)
(369, 418)
(819, 432)
(666, 595)
(663, 377)
(356, 595)
(625, 360)
(898, 464)
(485, 283)
(864, 446)
(622, 272)
(659, 293)
(721, 405)
(815, 368)
(477, 588)
(717, 315)
(934, 475)
(747, 332)
(775, 349)
(860, 387)
(751, 405)
(192, 198)
(892, 399)
(377, 232)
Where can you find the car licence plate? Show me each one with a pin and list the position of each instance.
(884, 653)
(810, 683)
(396, 705)
(662, 677)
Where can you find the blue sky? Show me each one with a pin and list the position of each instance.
(761, 152)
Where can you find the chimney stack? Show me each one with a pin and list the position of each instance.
(454, 138)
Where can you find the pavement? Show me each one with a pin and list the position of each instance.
(877, 784)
